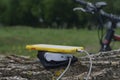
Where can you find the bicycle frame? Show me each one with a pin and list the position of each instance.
(109, 36)
(97, 9)
(117, 37)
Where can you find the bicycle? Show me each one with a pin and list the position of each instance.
(96, 9)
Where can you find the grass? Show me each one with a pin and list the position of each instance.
(14, 39)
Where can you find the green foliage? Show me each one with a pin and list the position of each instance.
(59, 12)
(117, 6)
(23, 12)
(51, 13)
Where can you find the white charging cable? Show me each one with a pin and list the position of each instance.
(70, 59)
(90, 68)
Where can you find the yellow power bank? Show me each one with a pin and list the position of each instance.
(54, 48)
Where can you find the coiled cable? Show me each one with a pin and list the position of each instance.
(70, 59)
(90, 68)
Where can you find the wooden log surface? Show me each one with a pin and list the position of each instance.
(106, 66)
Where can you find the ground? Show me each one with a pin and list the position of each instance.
(106, 66)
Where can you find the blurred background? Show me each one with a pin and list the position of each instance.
(25, 22)
(49, 13)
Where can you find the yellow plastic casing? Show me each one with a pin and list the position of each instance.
(54, 48)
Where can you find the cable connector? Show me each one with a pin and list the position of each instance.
(80, 51)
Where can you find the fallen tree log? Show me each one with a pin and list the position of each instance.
(106, 66)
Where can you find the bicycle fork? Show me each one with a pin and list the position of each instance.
(105, 44)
